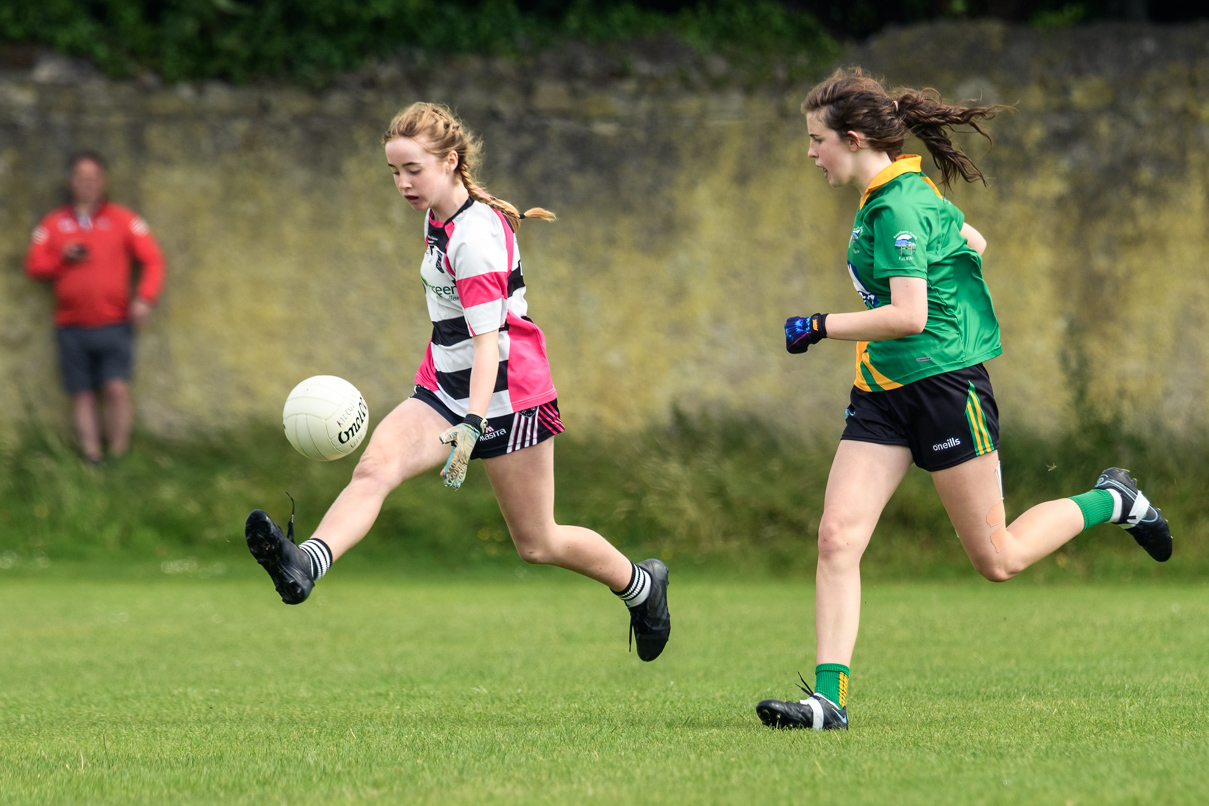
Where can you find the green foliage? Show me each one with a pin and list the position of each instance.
(501, 689)
(719, 492)
(1064, 17)
(311, 41)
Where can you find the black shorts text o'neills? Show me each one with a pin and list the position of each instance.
(505, 434)
(945, 419)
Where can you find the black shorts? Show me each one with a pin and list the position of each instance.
(90, 357)
(511, 432)
(945, 420)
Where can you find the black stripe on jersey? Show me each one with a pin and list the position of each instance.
(457, 384)
(515, 280)
(450, 332)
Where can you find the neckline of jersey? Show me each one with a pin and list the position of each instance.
(74, 211)
(904, 164)
(432, 219)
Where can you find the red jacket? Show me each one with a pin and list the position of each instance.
(95, 291)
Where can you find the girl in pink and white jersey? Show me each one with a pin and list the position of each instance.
(483, 391)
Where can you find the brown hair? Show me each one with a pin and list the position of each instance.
(85, 155)
(852, 101)
(441, 133)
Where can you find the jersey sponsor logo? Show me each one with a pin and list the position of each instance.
(951, 442)
(449, 292)
(904, 242)
(867, 297)
(67, 225)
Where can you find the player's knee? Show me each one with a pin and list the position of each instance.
(836, 541)
(995, 572)
(375, 470)
(534, 552)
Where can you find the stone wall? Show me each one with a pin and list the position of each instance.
(691, 224)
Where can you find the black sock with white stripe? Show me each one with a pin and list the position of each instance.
(639, 588)
(320, 554)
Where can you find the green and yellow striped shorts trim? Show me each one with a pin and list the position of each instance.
(978, 425)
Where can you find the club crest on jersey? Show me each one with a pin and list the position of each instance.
(856, 232)
(438, 256)
(904, 242)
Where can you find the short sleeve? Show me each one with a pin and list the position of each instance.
(900, 241)
(953, 210)
(479, 261)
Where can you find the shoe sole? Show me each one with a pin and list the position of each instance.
(774, 718)
(263, 547)
(771, 715)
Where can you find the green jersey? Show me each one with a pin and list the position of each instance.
(906, 228)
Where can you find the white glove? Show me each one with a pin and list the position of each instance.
(462, 437)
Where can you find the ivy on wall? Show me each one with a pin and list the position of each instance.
(309, 41)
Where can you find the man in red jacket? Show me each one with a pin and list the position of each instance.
(85, 248)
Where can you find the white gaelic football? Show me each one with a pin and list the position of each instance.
(325, 418)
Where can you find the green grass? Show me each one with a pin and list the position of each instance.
(512, 685)
(706, 492)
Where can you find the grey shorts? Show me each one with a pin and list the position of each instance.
(90, 357)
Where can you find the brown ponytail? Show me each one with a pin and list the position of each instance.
(852, 101)
(441, 133)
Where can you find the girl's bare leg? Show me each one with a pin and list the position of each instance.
(863, 477)
(973, 497)
(403, 446)
(523, 482)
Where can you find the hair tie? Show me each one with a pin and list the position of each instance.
(896, 106)
(522, 215)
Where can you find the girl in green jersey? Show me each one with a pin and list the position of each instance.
(921, 394)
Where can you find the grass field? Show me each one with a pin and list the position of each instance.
(515, 687)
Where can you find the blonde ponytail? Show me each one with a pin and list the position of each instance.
(441, 133)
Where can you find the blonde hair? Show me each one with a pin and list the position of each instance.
(441, 133)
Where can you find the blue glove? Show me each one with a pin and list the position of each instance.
(462, 437)
(803, 331)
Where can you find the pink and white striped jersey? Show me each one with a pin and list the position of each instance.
(473, 284)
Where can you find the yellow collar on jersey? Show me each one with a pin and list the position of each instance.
(905, 164)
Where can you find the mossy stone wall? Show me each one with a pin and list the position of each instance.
(691, 224)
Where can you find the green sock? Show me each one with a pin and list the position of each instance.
(1097, 506)
(831, 680)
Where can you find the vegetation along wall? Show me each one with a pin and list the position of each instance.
(691, 224)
